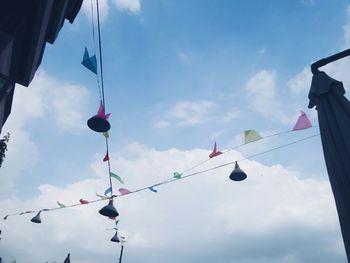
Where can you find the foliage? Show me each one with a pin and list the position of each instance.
(3, 147)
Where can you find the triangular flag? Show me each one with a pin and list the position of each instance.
(214, 152)
(251, 136)
(60, 204)
(83, 202)
(116, 177)
(177, 175)
(106, 158)
(102, 111)
(108, 190)
(124, 191)
(106, 134)
(151, 188)
(303, 122)
(101, 196)
(89, 62)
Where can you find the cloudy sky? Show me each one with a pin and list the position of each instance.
(179, 75)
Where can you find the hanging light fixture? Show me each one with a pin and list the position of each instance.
(98, 124)
(115, 238)
(109, 210)
(238, 174)
(36, 219)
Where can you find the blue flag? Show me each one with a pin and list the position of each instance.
(108, 190)
(151, 188)
(89, 62)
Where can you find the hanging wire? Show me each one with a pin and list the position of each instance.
(100, 52)
(109, 168)
(240, 146)
(169, 180)
(94, 46)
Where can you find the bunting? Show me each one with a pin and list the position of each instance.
(177, 175)
(89, 62)
(124, 191)
(302, 123)
(251, 136)
(106, 158)
(60, 204)
(151, 188)
(214, 153)
(117, 177)
(83, 201)
(102, 112)
(108, 190)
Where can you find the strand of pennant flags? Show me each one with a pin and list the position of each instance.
(250, 136)
(99, 123)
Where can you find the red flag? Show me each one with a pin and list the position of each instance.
(106, 158)
(83, 202)
(214, 152)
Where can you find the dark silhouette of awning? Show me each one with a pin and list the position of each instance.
(333, 109)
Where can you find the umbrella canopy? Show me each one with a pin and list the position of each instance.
(67, 260)
(333, 110)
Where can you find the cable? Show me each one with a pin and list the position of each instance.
(169, 180)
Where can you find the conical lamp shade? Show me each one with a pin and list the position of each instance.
(109, 210)
(238, 174)
(36, 219)
(98, 124)
(115, 238)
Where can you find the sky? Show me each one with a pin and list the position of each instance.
(178, 75)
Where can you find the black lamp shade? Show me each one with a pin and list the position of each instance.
(98, 124)
(109, 210)
(238, 174)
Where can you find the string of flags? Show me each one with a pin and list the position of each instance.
(236, 175)
(100, 124)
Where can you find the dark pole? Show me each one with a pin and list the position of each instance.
(324, 61)
(121, 254)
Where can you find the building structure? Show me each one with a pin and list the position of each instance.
(25, 28)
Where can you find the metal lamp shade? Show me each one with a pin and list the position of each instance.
(238, 174)
(36, 219)
(98, 124)
(109, 210)
(115, 238)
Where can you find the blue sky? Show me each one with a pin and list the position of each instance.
(179, 75)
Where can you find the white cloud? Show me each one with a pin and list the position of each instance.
(103, 7)
(300, 84)
(133, 6)
(161, 124)
(263, 97)
(207, 211)
(187, 113)
(230, 115)
(45, 98)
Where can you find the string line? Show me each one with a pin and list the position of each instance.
(100, 51)
(169, 180)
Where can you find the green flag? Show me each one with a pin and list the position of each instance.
(177, 175)
(115, 176)
(251, 136)
(60, 204)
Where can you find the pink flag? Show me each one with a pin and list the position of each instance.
(214, 152)
(106, 158)
(102, 112)
(83, 202)
(124, 191)
(302, 122)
